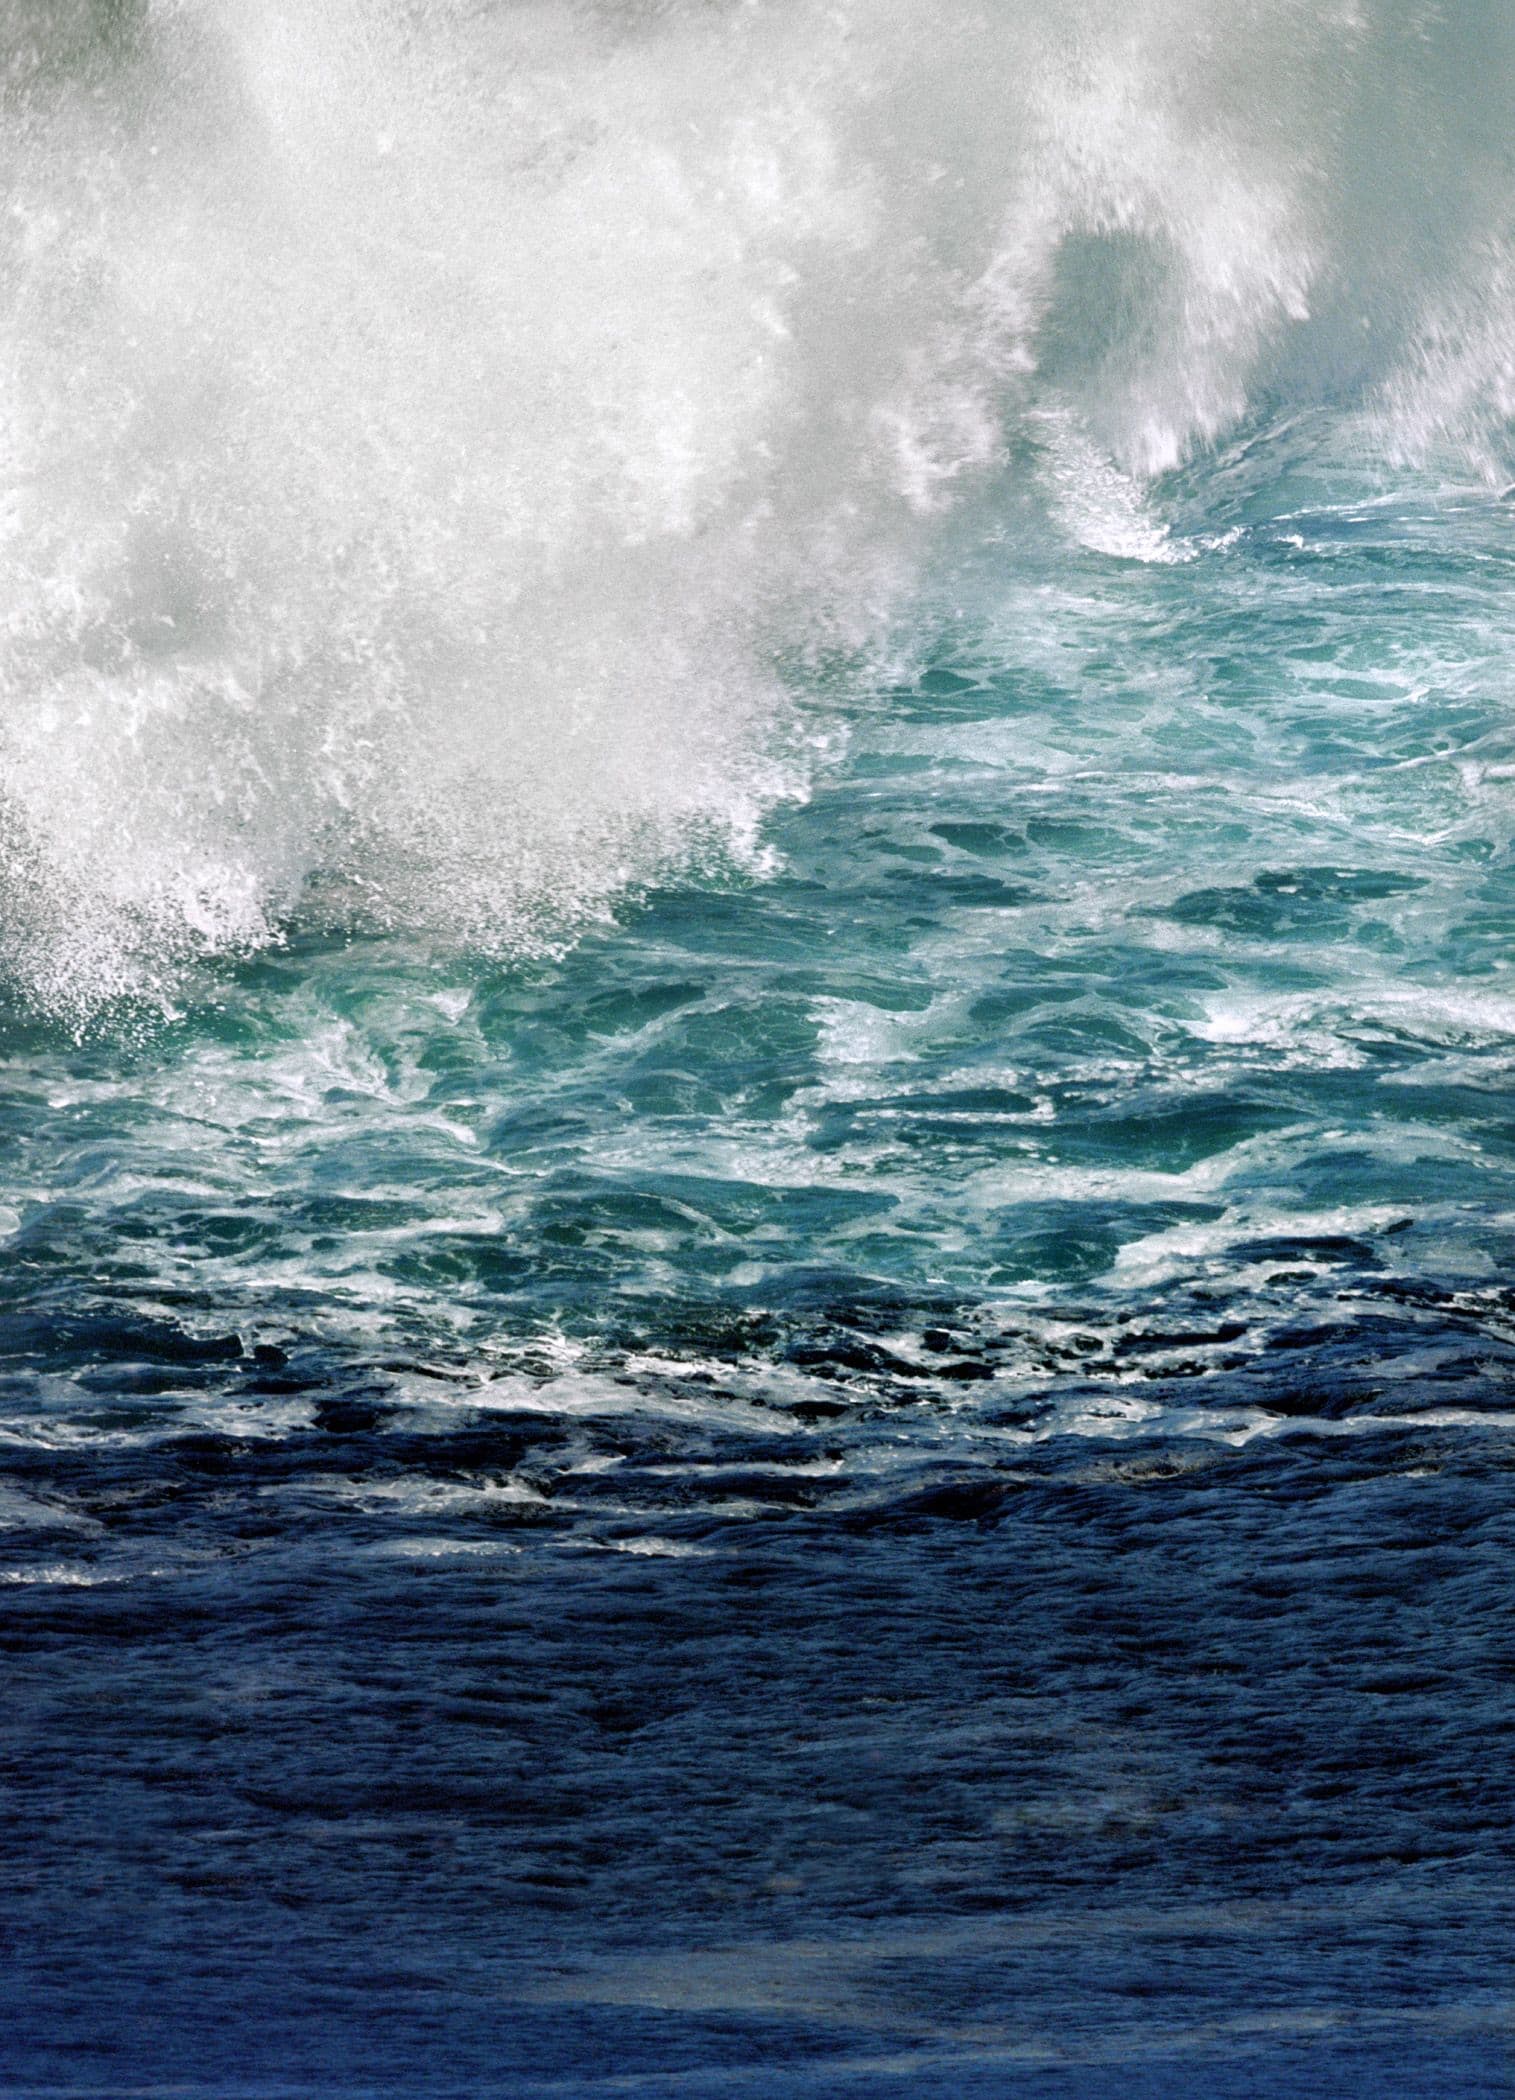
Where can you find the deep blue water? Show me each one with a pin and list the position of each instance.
(756, 1297)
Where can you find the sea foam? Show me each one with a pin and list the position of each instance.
(433, 433)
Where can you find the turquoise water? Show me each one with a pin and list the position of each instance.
(1134, 970)
(758, 1196)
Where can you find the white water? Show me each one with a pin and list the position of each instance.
(427, 424)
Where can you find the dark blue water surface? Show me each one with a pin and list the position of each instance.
(757, 1165)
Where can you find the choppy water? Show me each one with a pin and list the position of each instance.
(756, 874)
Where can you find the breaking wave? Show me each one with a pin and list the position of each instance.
(435, 432)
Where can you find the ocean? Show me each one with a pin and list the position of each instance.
(757, 1225)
